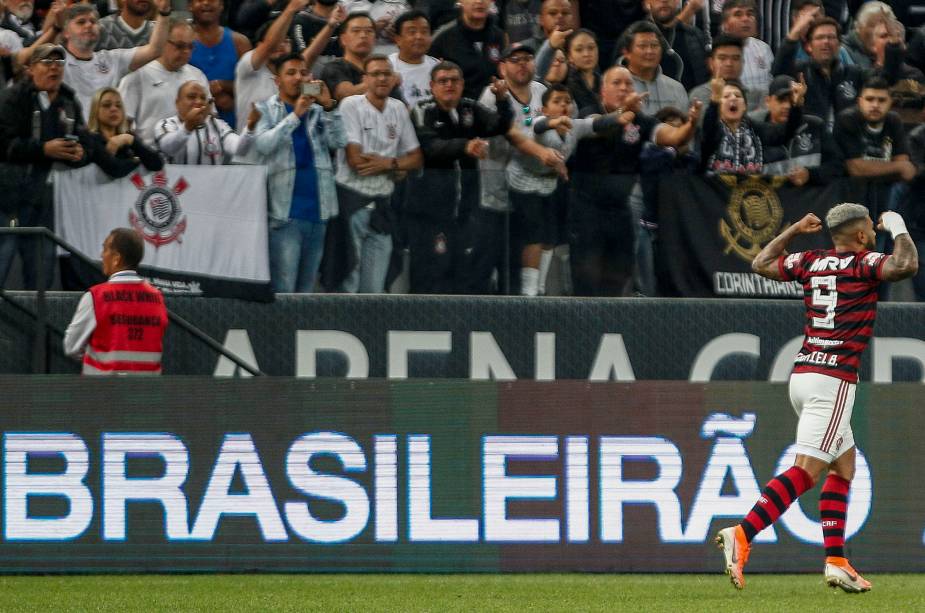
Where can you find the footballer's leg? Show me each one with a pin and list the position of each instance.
(782, 490)
(776, 497)
(833, 511)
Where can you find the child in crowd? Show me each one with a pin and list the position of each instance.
(534, 187)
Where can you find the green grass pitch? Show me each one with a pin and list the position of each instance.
(515, 593)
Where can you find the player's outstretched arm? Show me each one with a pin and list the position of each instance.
(905, 259)
(765, 263)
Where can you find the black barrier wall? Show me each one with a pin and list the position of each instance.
(502, 338)
(199, 474)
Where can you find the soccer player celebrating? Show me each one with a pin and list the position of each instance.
(840, 287)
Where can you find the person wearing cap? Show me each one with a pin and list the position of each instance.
(525, 96)
(17, 44)
(811, 155)
(88, 70)
(473, 43)
(41, 124)
(149, 93)
(725, 62)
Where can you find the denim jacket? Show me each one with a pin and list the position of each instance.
(274, 144)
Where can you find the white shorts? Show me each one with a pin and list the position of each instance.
(824, 406)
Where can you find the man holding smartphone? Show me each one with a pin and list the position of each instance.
(195, 135)
(297, 128)
(28, 149)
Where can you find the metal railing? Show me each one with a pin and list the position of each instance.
(40, 341)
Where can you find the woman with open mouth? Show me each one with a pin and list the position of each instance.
(731, 142)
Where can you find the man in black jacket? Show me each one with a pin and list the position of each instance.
(39, 118)
(689, 44)
(452, 132)
(601, 230)
(41, 124)
(831, 85)
(472, 42)
(811, 156)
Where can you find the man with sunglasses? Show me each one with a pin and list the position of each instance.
(149, 94)
(524, 94)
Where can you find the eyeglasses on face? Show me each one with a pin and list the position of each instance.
(51, 62)
(519, 59)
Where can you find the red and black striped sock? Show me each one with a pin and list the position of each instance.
(833, 509)
(776, 496)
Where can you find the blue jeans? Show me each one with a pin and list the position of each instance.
(296, 247)
(373, 252)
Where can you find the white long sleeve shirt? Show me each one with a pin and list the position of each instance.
(212, 143)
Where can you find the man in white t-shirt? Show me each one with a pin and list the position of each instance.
(411, 62)
(149, 94)
(87, 70)
(381, 142)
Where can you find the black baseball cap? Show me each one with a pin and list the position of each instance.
(780, 86)
(515, 47)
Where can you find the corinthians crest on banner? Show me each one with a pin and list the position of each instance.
(157, 215)
(204, 227)
(755, 215)
(711, 228)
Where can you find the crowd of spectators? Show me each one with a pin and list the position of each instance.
(484, 140)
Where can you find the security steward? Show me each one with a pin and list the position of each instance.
(119, 325)
(452, 132)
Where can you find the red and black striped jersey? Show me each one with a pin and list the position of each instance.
(840, 294)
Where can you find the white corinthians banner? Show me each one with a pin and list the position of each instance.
(204, 227)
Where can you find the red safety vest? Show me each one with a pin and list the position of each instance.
(130, 322)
